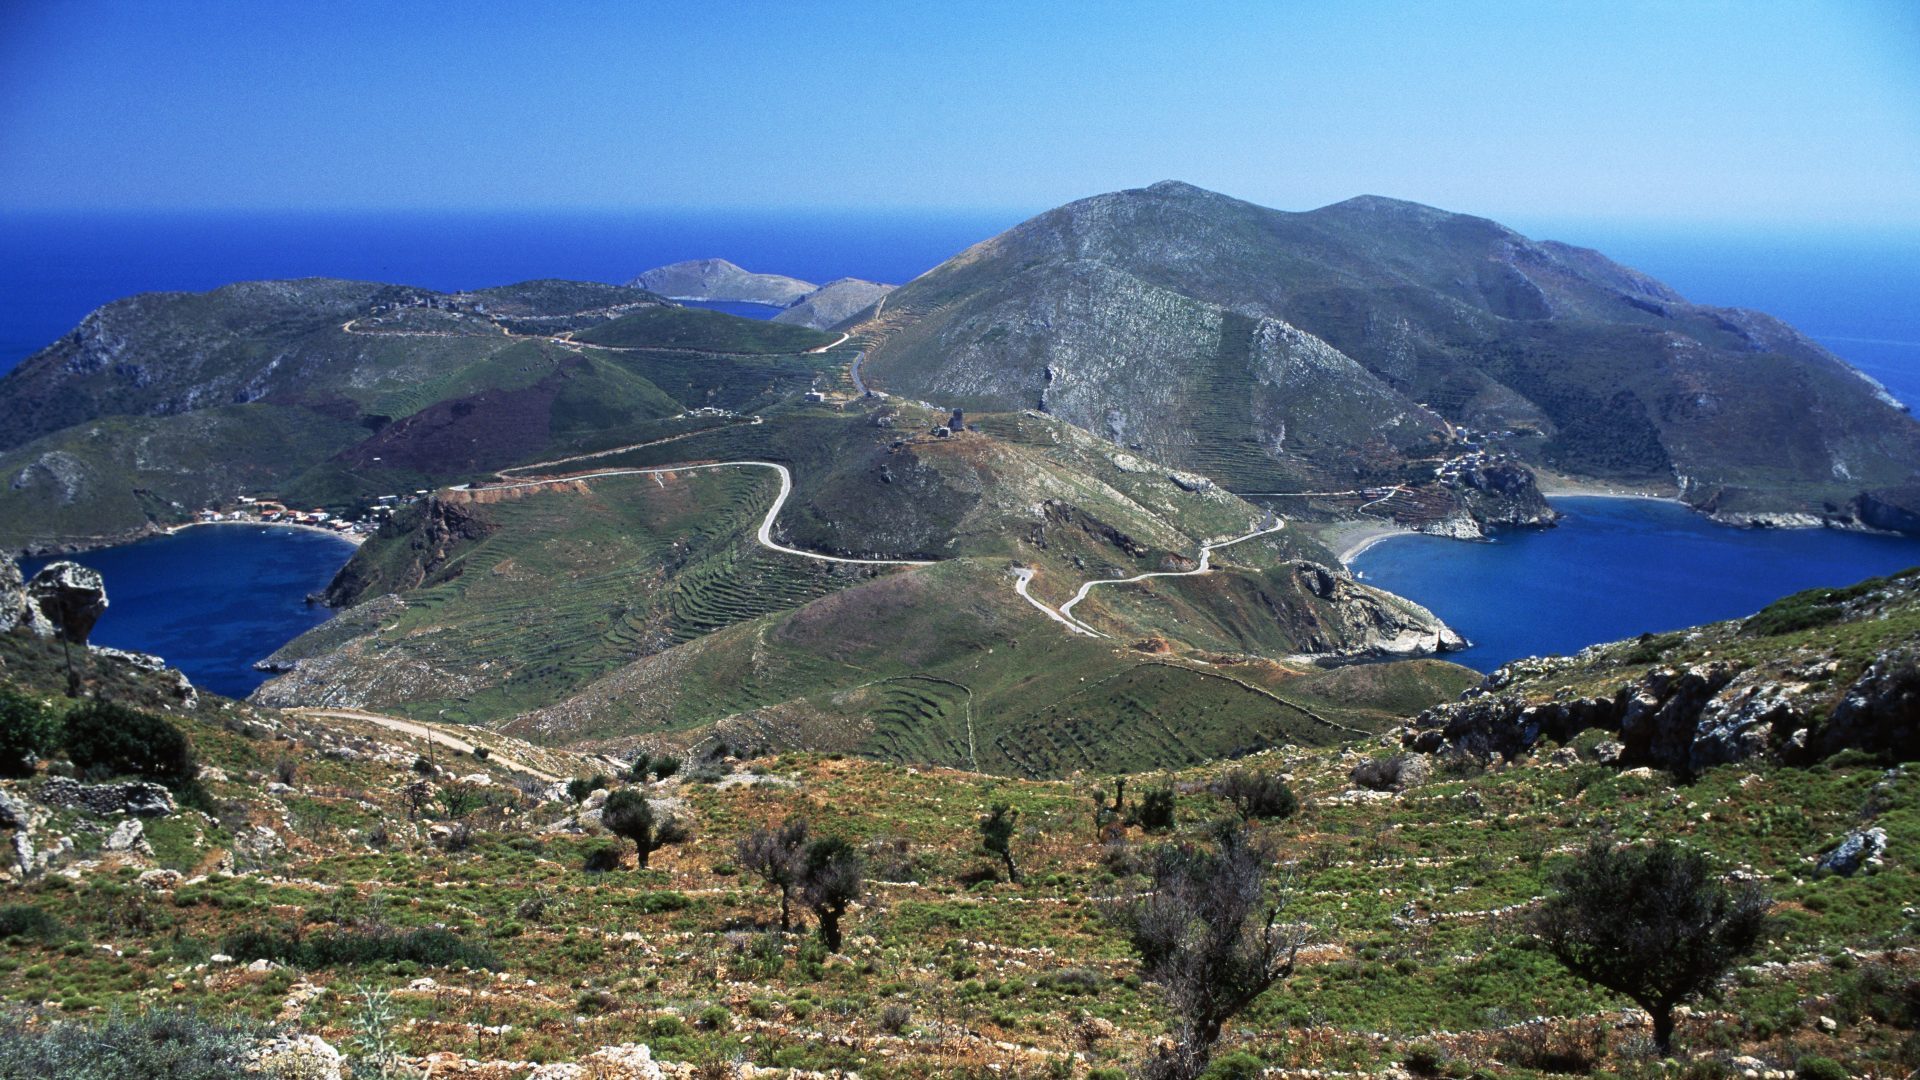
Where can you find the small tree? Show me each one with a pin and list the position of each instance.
(996, 835)
(775, 856)
(1105, 813)
(417, 796)
(1210, 938)
(1653, 923)
(28, 730)
(830, 880)
(627, 813)
(1155, 812)
(580, 787)
(1256, 794)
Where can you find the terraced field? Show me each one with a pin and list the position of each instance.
(1154, 714)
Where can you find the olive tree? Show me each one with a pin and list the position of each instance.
(627, 813)
(1210, 936)
(775, 857)
(996, 835)
(831, 876)
(1653, 923)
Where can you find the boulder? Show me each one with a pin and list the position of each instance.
(1862, 848)
(129, 835)
(70, 597)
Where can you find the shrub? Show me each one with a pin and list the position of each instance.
(714, 1018)
(602, 860)
(582, 786)
(895, 1018)
(27, 921)
(664, 767)
(107, 739)
(1424, 1059)
(1235, 1066)
(481, 753)
(28, 730)
(159, 1044)
(1257, 794)
(1820, 1068)
(1155, 810)
(359, 948)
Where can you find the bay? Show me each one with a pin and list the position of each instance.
(1615, 568)
(212, 599)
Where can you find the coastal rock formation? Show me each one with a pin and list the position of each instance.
(1360, 620)
(834, 303)
(718, 279)
(70, 598)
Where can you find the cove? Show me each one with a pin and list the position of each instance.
(213, 599)
(1615, 568)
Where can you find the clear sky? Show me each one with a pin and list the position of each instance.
(1755, 113)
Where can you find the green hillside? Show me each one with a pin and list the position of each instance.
(472, 910)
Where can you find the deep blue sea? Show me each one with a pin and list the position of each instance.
(1612, 569)
(1615, 568)
(213, 599)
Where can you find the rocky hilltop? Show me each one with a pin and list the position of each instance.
(718, 279)
(1807, 677)
(1366, 340)
(834, 303)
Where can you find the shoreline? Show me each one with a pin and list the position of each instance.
(1349, 539)
(353, 539)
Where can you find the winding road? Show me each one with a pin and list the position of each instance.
(1206, 564)
(764, 536)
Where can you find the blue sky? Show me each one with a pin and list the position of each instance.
(1775, 114)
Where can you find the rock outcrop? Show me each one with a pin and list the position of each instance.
(718, 279)
(70, 597)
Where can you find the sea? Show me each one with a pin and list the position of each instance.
(1615, 568)
(213, 600)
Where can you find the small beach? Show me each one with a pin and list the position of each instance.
(356, 539)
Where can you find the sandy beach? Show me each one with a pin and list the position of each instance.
(356, 539)
(1349, 538)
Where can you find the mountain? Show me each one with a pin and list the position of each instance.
(332, 392)
(833, 303)
(1373, 341)
(718, 279)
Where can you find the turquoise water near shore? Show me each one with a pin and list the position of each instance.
(213, 599)
(1615, 568)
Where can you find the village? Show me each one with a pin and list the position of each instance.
(265, 510)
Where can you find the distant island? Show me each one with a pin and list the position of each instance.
(804, 303)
